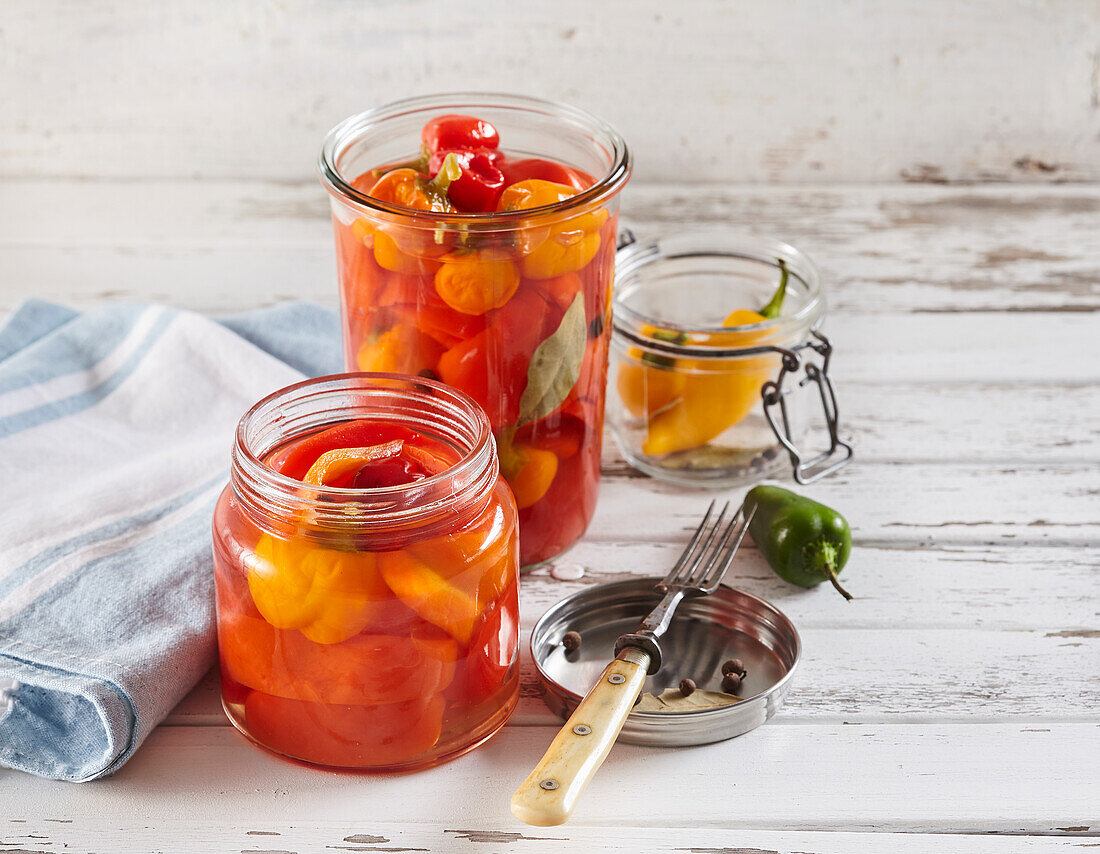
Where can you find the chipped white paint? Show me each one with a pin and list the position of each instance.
(954, 694)
(769, 90)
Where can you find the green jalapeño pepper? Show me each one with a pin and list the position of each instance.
(803, 541)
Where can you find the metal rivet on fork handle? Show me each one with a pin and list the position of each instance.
(549, 785)
(582, 729)
(616, 679)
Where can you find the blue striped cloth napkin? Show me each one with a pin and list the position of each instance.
(115, 432)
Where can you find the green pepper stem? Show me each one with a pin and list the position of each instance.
(450, 170)
(821, 556)
(772, 309)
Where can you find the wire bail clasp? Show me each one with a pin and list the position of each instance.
(839, 453)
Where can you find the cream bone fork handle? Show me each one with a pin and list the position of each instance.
(547, 797)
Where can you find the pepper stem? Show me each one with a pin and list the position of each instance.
(821, 556)
(450, 170)
(775, 305)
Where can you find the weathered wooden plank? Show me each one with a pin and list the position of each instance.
(936, 778)
(302, 834)
(888, 504)
(948, 634)
(763, 91)
(229, 245)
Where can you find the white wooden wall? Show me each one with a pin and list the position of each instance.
(758, 91)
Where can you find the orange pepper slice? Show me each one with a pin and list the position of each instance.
(428, 593)
(335, 464)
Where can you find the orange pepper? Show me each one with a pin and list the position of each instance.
(404, 250)
(560, 247)
(411, 189)
(428, 593)
(476, 282)
(392, 256)
(480, 560)
(528, 470)
(339, 462)
(401, 349)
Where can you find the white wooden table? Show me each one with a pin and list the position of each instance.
(954, 706)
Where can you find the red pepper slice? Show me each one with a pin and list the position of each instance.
(544, 170)
(450, 132)
(346, 735)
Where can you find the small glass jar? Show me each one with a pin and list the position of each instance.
(512, 306)
(368, 629)
(702, 397)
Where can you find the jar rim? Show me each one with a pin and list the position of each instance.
(344, 134)
(635, 255)
(257, 483)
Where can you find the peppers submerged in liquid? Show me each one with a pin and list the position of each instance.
(501, 314)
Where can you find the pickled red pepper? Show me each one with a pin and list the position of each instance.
(686, 402)
(346, 654)
(503, 315)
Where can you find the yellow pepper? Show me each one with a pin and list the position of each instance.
(328, 595)
(691, 401)
(561, 247)
(476, 282)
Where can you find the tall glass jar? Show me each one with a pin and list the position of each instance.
(535, 355)
(366, 628)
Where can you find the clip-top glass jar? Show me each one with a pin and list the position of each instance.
(510, 302)
(718, 364)
(366, 566)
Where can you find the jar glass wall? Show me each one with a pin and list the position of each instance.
(511, 307)
(367, 628)
(687, 374)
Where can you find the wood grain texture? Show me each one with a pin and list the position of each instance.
(933, 778)
(758, 91)
(231, 245)
(204, 836)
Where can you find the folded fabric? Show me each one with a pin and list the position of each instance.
(115, 433)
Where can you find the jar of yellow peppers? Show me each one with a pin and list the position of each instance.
(718, 368)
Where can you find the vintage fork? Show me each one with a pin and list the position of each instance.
(549, 794)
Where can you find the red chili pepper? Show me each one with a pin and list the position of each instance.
(450, 132)
(543, 170)
(481, 183)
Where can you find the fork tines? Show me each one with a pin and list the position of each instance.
(710, 551)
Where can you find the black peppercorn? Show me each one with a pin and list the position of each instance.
(571, 641)
(687, 687)
(731, 683)
(735, 666)
(428, 374)
(595, 328)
